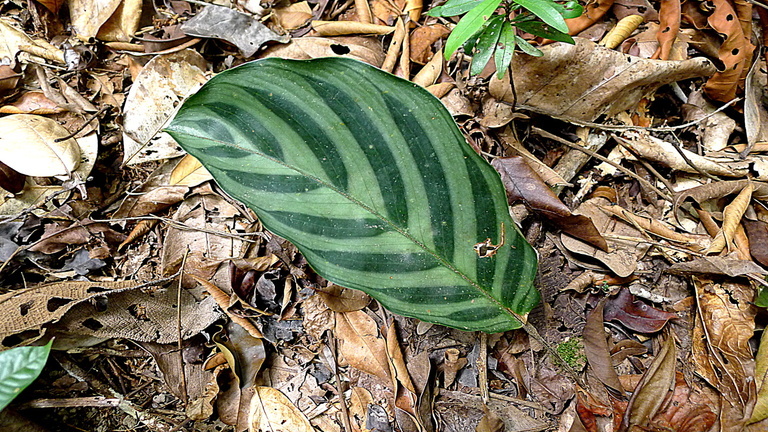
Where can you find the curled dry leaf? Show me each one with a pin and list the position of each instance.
(719, 190)
(524, 185)
(360, 48)
(653, 389)
(272, 411)
(635, 314)
(735, 52)
(122, 25)
(757, 232)
(340, 28)
(422, 39)
(732, 215)
(592, 13)
(584, 81)
(29, 145)
(669, 26)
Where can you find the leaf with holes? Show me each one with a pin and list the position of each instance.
(369, 176)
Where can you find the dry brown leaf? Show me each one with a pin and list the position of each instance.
(524, 185)
(361, 345)
(735, 52)
(663, 152)
(659, 228)
(30, 308)
(58, 236)
(422, 40)
(597, 352)
(272, 411)
(395, 45)
(583, 81)
(721, 352)
(760, 411)
(293, 16)
(398, 368)
(719, 189)
(431, 71)
(716, 265)
(655, 386)
(32, 103)
(732, 215)
(757, 233)
(41, 155)
(592, 13)
(669, 26)
(340, 299)
(342, 28)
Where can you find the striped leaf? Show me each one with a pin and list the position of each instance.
(369, 176)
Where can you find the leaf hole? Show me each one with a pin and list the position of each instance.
(92, 324)
(729, 17)
(666, 30)
(340, 49)
(25, 307)
(735, 51)
(55, 303)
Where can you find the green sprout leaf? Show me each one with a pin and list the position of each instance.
(505, 49)
(527, 47)
(486, 44)
(539, 28)
(546, 11)
(18, 368)
(370, 177)
(454, 7)
(470, 24)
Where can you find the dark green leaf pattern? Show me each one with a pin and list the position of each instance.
(369, 176)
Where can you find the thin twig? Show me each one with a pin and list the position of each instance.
(600, 157)
(77, 131)
(179, 342)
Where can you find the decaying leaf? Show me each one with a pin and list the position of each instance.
(87, 17)
(735, 52)
(635, 314)
(717, 266)
(365, 49)
(340, 299)
(656, 384)
(597, 352)
(524, 185)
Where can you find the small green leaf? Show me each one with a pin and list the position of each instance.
(18, 368)
(546, 11)
(571, 9)
(527, 47)
(505, 49)
(539, 28)
(370, 178)
(454, 7)
(470, 24)
(486, 44)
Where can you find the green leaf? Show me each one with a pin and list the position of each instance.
(527, 47)
(505, 50)
(539, 28)
(369, 176)
(469, 25)
(546, 11)
(454, 7)
(18, 368)
(571, 9)
(486, 44)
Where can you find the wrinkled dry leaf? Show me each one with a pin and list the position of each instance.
(361, 345)
(718, 266)
(422, 40)
(272, 411)
(242, 30)
(583, 81)
(161, 85)
(41, 155)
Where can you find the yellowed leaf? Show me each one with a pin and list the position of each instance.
(361, 345)
(272, 411)
(28, 145)
(123, 23)
(189, 172)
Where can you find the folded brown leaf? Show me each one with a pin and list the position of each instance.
(635, 314)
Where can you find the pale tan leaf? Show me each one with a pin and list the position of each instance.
(88, 16)
(398, 367)
(361, 345)
(189, 172)
(731, 220)
(293, 16)
(28, 145)
(650, 393)
(340, 299)
(365, 49)
(272, 411)
(11, 38)
(123, 23)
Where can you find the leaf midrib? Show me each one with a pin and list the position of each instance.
(354, 200)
